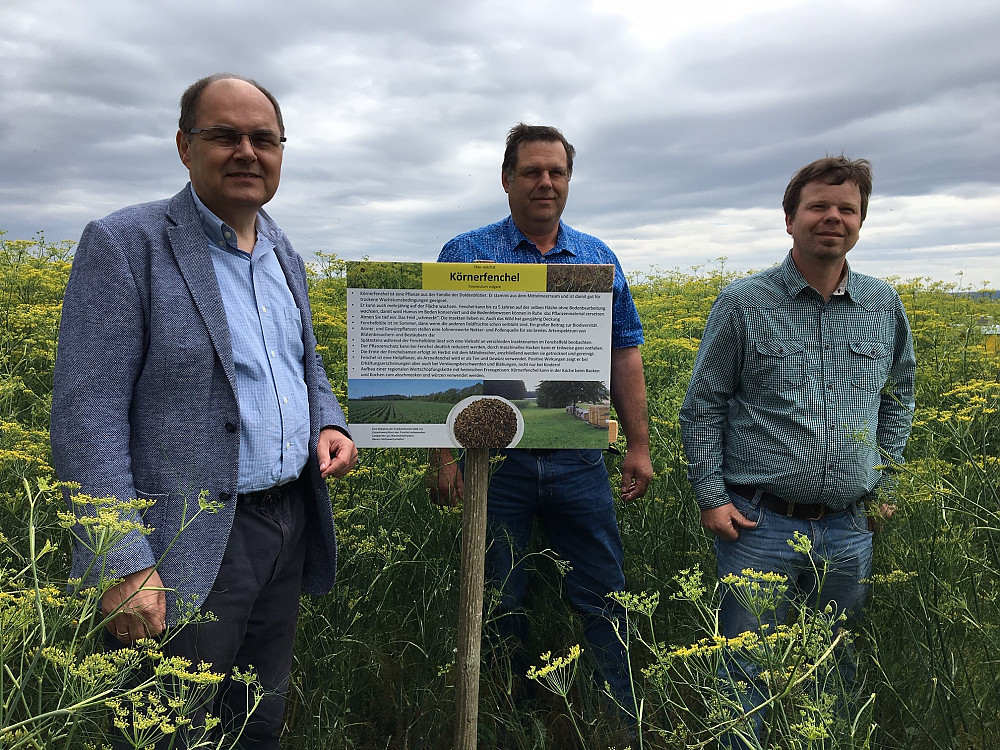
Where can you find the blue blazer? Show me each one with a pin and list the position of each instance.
(144, 398)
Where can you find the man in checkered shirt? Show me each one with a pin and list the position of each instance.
(802, 392)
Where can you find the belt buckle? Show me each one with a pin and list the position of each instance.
(265, 498)
(817, 517)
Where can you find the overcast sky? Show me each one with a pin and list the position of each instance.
(688, 118)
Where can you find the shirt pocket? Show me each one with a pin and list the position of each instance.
(290, 333)
(780, 364)
(869, 365)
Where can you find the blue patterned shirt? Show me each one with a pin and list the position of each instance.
(265, 328)
(798, 396)
(503, 242)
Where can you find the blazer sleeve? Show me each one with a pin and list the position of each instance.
(102, 341)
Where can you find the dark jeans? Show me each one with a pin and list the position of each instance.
(255, 600)
(569, 492)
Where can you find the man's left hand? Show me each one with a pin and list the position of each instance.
(336, 453)
(637, 473)
(876, 521)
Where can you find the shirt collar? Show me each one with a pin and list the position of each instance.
(516, 237)
(845, 277)
(222, 235)
(795, 282)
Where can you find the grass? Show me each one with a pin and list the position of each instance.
(544, 428)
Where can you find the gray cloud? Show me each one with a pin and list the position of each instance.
(396, 114)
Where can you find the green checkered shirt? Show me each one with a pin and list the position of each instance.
(792, 394)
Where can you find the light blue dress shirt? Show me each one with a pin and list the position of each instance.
(265, 328)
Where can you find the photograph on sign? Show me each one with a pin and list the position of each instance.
(479, 354)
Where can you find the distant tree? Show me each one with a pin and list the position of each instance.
(452, 395)
(553, 394)
(512, 390)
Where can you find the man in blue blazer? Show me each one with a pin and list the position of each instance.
(186, 372)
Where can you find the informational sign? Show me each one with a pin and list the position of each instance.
(479, 355)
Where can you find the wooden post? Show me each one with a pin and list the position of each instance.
(470, 612)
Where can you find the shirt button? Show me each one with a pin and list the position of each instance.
(275, 355)
(263, 308)
(285, 399)
(829, 386)
(230, 427)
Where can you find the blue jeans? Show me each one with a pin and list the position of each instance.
(842, 555)
(569, 492)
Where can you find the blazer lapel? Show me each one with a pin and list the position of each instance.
(190, 249)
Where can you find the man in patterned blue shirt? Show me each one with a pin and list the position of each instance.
(802, 391)
(568, 490)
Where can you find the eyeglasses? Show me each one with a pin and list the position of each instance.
(534, 173)
(260, 140)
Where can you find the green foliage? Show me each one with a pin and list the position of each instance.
(375, 659)
(685, 706)
(372, 274)
(58, 687)
(555, 394)
(33, 275)
(512, 390)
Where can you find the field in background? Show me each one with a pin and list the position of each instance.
(375, 659)
(402, 411)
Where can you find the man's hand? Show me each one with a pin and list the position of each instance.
(444, 480)
(628, 394)
(877, 520)
(637, 472)
(137, 607)
(725, 521)
(336, 453)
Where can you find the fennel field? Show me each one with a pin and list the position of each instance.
(374, 661)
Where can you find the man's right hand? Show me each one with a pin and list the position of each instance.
(725, 521)
(137, 607)
(444, 479)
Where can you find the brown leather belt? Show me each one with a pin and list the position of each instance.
(803, 511)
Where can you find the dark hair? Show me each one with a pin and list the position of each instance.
(191, 97)
(521, 133)
(833, 170)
